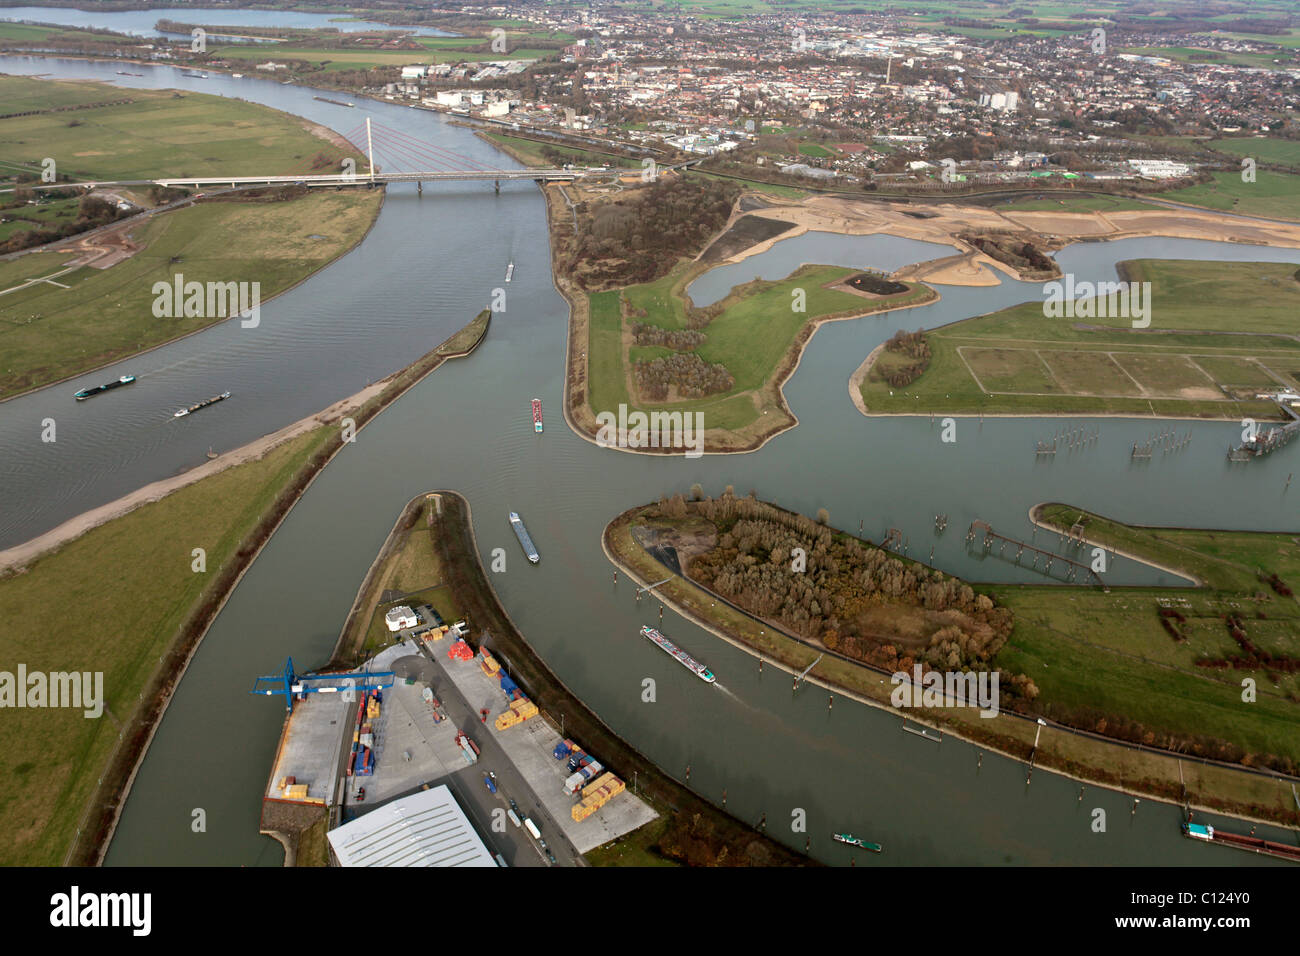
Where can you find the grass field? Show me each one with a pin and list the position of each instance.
(1271, 195)
(1090, 650)
(161, 132)
(31, 33)
(1028, 652)
(49, 214)
(529, 152)
(771, 189)
(1284, 152)
(1017, 361)
(130, 582)
(812, 149)
(48, 332)
(361, 59)
(752, 336)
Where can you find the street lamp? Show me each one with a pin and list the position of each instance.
(1041, 724)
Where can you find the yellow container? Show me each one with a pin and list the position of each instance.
(296, 791)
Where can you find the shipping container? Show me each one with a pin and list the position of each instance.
(579, 760)
(581, 777)
(562, 749)
(531, 827)
(514, 818)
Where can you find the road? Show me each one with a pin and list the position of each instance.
(466, 782)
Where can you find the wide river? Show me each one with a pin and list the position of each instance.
(428, 265)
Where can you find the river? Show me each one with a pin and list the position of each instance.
(467, 427)
(141, 22)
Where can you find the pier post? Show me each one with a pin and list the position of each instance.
(419, 188)
(496, 185)
(724, 797)
(830, 700)
(661, 613)
(688, 771)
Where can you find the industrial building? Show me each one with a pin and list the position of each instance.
(400, 617)
(425, 829)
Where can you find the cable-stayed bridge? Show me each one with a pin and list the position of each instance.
(405, 159)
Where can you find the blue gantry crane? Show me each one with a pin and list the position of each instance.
(291, 684)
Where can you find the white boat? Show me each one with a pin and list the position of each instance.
(510, 271)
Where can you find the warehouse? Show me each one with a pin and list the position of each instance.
(425, 829)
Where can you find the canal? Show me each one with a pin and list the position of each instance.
(427, 267)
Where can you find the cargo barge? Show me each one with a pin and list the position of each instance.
(203, 404)
(690, 663)
(525, 542)
(851, 840)
(86, 393)
(1283, 851)
(326, 99)
(537, 415)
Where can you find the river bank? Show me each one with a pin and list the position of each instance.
(774, 414)
(1076, 754)
(304, 450)
(698, 833)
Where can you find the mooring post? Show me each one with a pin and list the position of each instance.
(419, 189)
(496, 184)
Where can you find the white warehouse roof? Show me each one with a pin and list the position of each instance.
(425, 829)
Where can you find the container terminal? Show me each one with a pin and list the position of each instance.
(431, 730)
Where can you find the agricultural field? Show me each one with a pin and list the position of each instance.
(1208, 366)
